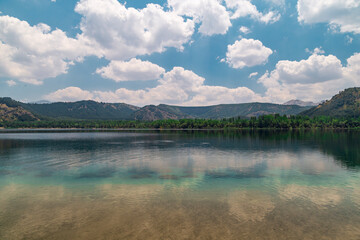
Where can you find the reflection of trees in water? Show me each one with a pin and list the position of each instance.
(344, 146)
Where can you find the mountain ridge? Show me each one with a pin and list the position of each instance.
(344, 104)
(92, 110)
(300, 103)
(221, 111)
(11, 110)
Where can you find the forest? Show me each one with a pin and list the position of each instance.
(267, 121)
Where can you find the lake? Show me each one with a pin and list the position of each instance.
(179, 184)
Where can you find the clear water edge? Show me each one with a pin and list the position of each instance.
(136, 185)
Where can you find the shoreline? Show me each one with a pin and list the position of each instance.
(176, 129)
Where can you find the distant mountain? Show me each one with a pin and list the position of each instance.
(162, 111)
(344, 104)
(75, 110)
(11, 110)
(300, 103)
(152, 113)
(91, 110)
(83, 110)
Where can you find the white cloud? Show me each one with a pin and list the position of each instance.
(211, 14)
(318, 50)
(352, 71)
(247, 53)
(69, 94)
(317, 68)
(33, 53)
(132, 70)
(109, 29)
(244, 30)
(211, 95)
(11, 83)
(179, 86)
(244, 8)
(348, 39)
(342, 14)
(317, 78)
(120, 33)
(253, 74)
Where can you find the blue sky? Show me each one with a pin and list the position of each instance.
(181, 52)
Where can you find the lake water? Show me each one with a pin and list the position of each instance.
(179, 185)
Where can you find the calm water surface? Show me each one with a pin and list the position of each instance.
(179, 185)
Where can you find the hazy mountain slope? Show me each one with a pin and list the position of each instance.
(251, 109)
(344, 104)
(300, 103)
(75, 110)
(152, 113)
(215, 112)
(83, 110)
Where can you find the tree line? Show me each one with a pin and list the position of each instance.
(267, 121)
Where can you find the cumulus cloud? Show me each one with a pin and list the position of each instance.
(244, 30)
(317, 78)
(289, 80)
(178, 86)
(247, 53)
(69, 94)
(33, 53)
(317, 50)
(120, 33)
(108, 29)
(340, 14)
(317, 68)
(352, 71)
(212, 16)
(11, 83)
(132, 70)
(253, 74)
(348, 39)
(244, 8)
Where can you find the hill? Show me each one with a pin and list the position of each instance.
(344, 104)
(11, 110)
(91, 110)
(152, 113)
(162, 111)
(300, 103)
(83, 110)
(74, 110)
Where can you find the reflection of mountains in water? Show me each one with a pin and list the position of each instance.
(343, 146)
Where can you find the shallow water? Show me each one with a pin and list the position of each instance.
(179, 185)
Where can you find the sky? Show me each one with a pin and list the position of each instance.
(179, 52)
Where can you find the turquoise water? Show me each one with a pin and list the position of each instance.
(179, 185)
